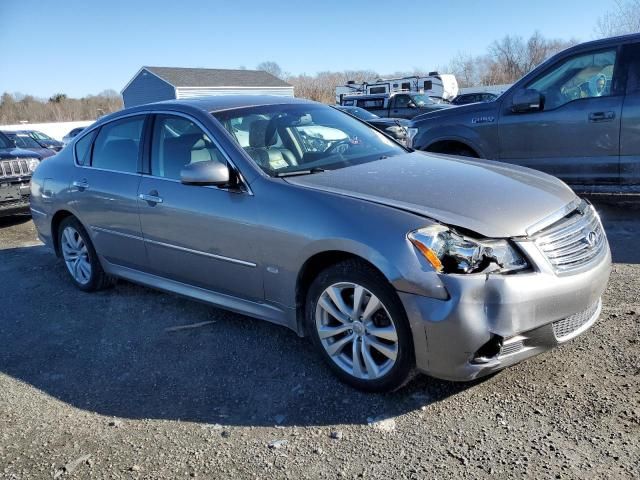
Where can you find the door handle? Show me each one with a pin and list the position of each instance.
(80, 184)
(601, 116)
(150, 197)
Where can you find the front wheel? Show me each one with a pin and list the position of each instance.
(358, 324)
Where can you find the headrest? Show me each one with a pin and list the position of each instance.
(262, 134)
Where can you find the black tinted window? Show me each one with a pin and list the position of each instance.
(632, 53)
(83, 148)
(117, 145)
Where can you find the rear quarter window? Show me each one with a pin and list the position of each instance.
(83, 148)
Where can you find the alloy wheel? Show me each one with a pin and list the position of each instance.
(76, 255)
(356, 330)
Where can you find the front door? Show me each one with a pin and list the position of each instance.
(576, 136)
(403, 107)
(198, 235)
(630, 133)
(105, 187)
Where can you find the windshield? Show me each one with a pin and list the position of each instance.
(5, 142)
(299, 138)
(24, 141)
(422, 100)
(40, 135)
(361, 113)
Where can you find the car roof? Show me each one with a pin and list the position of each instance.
(229, 102)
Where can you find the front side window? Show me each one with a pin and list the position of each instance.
(117, 146)
(402, 101)
(289, 138)
(586, 75)
(422, 100)
(177, 141)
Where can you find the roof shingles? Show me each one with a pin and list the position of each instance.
(216, 77)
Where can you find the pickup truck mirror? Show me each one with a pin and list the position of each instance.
(526, 100)
(412, 105)
(209, 172)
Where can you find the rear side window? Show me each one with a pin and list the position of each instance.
(632, 56)
(83, 148)
(117, 146)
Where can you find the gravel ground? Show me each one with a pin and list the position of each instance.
(100, 386)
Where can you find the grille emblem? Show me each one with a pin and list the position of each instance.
(591, 239)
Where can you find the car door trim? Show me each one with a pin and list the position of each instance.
(177, 247)
(204, 254)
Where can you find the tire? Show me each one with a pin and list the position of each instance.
(80, 258)
(462, 152)
(378, 327)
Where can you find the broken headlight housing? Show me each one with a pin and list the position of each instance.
(450, 252)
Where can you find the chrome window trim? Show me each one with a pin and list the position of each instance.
(98, 169)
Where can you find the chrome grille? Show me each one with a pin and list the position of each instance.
(574, 241)
(567, 327)
(14, 168)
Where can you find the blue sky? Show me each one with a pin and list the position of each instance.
(84, 47)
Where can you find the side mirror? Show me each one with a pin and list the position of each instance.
(412, 105)
(526, 100)
(209, 172)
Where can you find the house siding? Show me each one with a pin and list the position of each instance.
(192, 92)
(147, 88)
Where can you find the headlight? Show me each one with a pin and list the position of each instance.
(450, 252)
(33, 163)
(411, 133)
(396, 131)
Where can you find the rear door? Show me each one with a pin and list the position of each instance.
(630, 130)
(105, 188)
(576, 136)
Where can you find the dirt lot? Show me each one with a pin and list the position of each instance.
(95, 386)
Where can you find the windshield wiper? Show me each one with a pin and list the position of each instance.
(300, 172)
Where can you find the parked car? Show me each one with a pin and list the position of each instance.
(24, 141)
(398, 105)
(389, 260)
(71, 135)
(576, 116)
(16, 167)
(394, 127)
(477, 97)
(44, 140)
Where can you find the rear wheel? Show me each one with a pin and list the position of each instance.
(359, 326)
(80, 257)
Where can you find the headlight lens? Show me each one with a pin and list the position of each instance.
(33, 163)
(411, 133)
(396, 131)
(449, 252)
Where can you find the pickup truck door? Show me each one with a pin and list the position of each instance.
(399, 107)
(576, 136)
(630, 129)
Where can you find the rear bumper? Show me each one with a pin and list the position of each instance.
(14, 207)
(526, 314)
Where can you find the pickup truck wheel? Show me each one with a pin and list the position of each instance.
(80, 257)
(359, 326)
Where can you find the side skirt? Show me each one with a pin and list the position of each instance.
(274, 314)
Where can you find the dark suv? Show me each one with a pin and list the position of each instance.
(576, 116)
(16, 167)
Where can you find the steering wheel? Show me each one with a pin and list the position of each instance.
(340, 146)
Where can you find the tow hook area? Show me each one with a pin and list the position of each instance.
(487, 352)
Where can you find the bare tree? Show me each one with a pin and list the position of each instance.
(624, 18)
(271, 67)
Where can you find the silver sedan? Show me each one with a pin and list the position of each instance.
(292, 212)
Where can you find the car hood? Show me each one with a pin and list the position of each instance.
(403, 122)
(489, 198)
(480, 107)
(8, 153)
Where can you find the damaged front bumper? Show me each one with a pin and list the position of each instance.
(494, 321)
